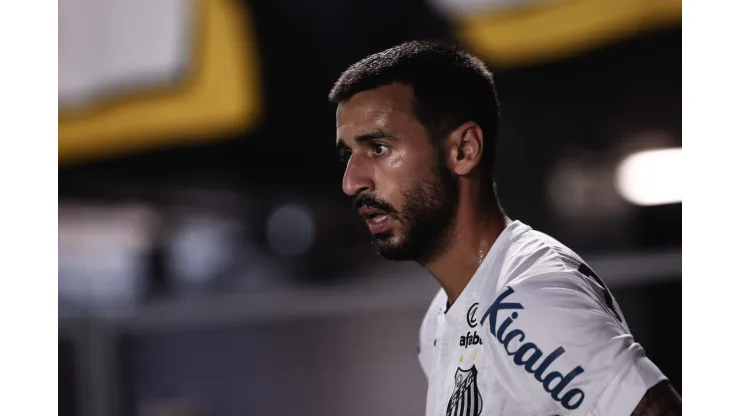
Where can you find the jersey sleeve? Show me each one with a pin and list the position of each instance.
(563, 348)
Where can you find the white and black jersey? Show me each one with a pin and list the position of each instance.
(535, 332)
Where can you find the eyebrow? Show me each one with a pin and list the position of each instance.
(367, 137)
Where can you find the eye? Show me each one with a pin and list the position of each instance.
(379, 149)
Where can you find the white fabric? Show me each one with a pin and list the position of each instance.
(112, 46)
(456, 8)
(532, 301)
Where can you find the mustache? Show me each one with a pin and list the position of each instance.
(370, 201)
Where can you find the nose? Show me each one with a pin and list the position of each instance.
(357, 178)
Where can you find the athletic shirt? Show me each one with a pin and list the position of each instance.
(535, 332)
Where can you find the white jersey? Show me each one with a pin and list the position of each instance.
(535, 332)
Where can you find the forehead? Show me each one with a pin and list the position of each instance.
(389, 108)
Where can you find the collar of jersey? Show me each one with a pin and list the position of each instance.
(452, 312)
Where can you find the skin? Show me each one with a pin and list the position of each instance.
(660, 400)
(393, 164)
(442, 209)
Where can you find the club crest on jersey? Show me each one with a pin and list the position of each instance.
(528, 355)
(466, 398)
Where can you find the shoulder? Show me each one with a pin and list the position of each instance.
(552, 300)
(553, 278)
(535, 252)
(552, 293)
(528, 258)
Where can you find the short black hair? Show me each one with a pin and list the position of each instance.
(450, 87)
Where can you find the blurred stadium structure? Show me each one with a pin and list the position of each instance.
(208, 262)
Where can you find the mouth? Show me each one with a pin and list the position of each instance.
(377, 220)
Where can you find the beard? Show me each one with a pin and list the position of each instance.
(426, 220)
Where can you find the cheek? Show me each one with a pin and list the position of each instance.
(398, 173)
(391, 186)
(396, 160)
(394, 194)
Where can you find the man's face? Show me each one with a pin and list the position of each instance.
(395, 175)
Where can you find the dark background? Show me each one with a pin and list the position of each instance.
(334, 327)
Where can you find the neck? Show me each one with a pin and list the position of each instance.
(478, 223)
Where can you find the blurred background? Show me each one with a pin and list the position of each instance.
(209, 263)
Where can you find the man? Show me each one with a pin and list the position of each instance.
(521, 325)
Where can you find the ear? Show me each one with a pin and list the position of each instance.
(465, 148)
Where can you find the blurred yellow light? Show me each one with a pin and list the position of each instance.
(221, 95)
